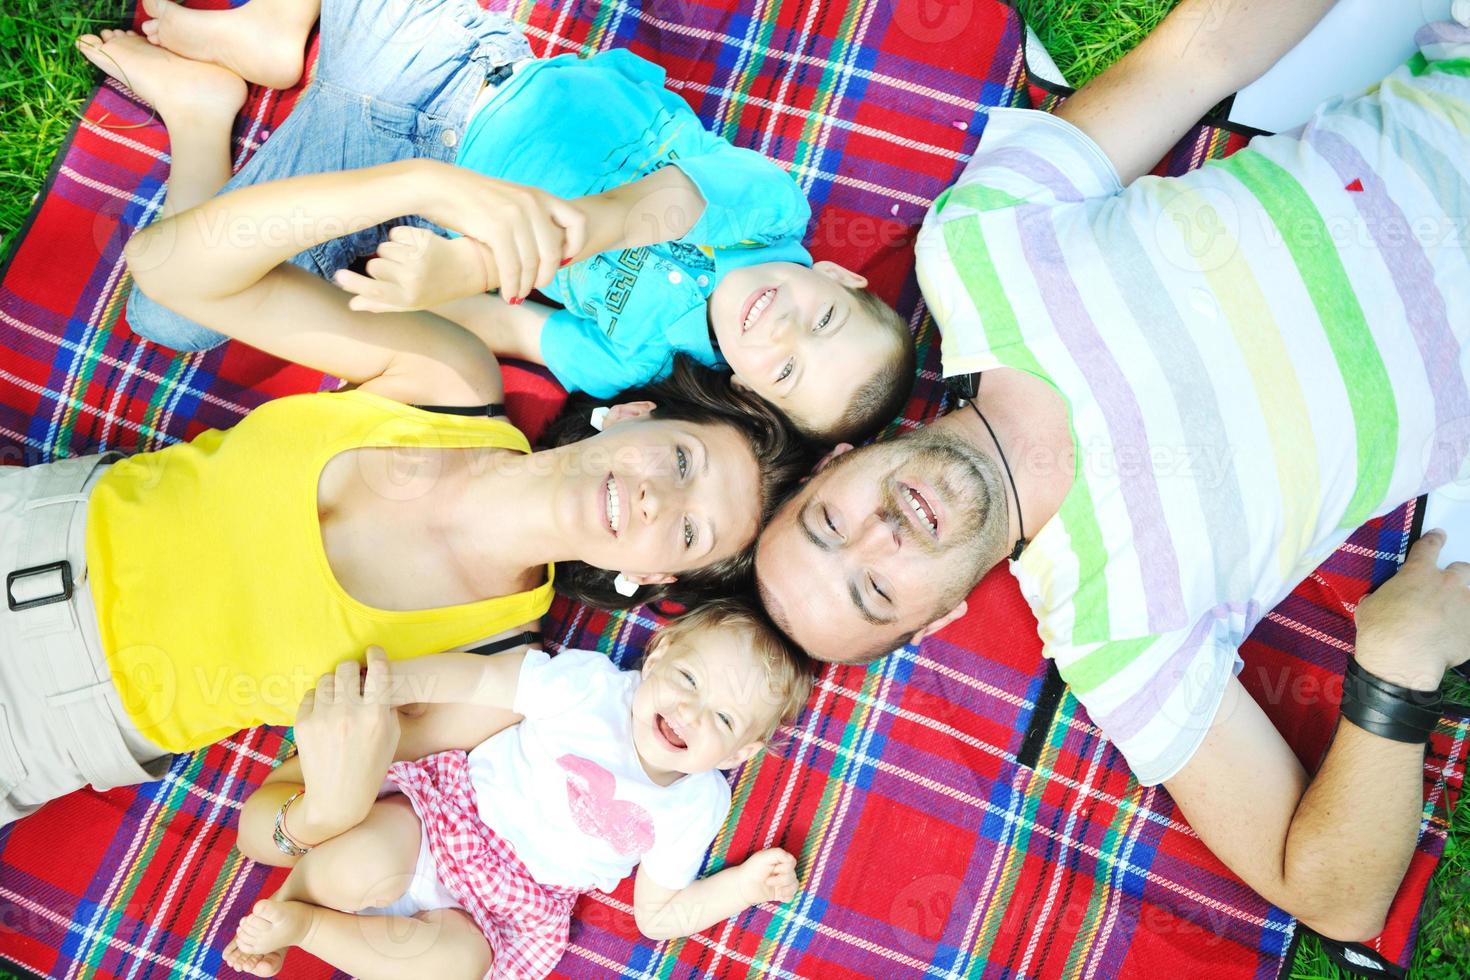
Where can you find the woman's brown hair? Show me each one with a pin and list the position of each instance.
(697, 394)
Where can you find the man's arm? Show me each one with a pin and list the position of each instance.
(1202, 52)
(1332, 850)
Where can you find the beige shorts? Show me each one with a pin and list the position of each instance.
(62, 725)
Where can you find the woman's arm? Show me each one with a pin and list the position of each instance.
(224, 265)
(1202, 52)
(348, 736)
(346, 733)
(766, 876)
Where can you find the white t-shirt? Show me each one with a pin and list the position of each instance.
(1258, 356)
(566, 790)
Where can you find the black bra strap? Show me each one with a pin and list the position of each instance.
(492, 411)
(528, 638)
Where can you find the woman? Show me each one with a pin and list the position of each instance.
(165, 601)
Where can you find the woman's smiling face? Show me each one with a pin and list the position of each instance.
(650, 497)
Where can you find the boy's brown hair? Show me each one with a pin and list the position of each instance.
(883, 396)
(788, 671)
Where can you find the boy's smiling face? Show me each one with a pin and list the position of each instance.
(798, 338)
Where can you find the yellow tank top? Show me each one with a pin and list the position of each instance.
(216, 604)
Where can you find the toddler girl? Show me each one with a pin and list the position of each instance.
(478, 858)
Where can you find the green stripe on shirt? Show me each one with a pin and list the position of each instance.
(1374, 408)
(969, 257)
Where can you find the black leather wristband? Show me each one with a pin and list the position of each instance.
(1387, 709)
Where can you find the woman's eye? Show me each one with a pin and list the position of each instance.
(689, 534)
(827, 516)
(879, 592)
(786, 370)
(682, 459)
(688, 677)
(725, 720)
(826, 319)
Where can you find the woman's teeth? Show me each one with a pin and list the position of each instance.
(921, 509)
(757, 308)
(614, 505)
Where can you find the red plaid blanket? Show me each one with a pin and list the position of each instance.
(949, 819)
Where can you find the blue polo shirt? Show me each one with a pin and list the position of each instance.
(573, 127)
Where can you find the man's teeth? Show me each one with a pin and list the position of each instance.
(918, 509)
(613, 504)
(757, 308)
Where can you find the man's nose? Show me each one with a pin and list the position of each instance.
(875, 538)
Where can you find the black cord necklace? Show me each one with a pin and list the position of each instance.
(1020, 521)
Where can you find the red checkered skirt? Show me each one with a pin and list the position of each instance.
(525, 922)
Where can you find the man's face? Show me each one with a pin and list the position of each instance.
(882, 544)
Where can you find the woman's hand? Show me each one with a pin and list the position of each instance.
(346, 734)
(525, 234)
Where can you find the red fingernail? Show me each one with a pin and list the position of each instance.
(566, 262)
(516, 301)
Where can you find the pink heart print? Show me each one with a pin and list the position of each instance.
(626, 826)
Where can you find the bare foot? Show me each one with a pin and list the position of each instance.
(176, 87)
(263, 42)
(255, 964)
(271, 928)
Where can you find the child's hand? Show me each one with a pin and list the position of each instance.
(524, 234)
(770, 876)
(416, 269)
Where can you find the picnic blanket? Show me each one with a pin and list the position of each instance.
(954, 811)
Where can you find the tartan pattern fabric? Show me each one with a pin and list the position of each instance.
(525, 922)
(925, 847)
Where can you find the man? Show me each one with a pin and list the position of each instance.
(1190, 392)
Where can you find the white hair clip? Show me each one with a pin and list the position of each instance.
(1461, 12)
(599, 419)
(624, 586)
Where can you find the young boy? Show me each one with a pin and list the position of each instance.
(691, 244)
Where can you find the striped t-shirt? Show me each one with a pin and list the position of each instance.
(1257, 356)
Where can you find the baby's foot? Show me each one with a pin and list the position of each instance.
(271, 928)
(176, 87)
(263, 41)
(254, 964)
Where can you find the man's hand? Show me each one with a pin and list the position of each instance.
(1417, 625)
(346, 733)
(770, 876)
(416, 269)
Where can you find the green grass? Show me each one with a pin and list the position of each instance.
(1085, 36)
(44, 83)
